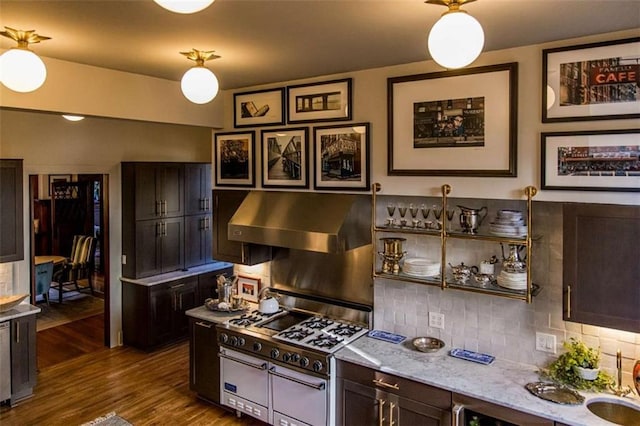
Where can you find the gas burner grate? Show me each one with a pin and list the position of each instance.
(346, 330)
(296, 333)
(324, 341)
(317, 323)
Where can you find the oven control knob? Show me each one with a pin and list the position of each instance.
(224, 338)
(241, 341)
(287, 357)
(304, 361)
(317, 366)
(234, 341)
(274, 353)
(296, 358)
(257, 346)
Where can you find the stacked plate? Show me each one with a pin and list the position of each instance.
(512, 280)
(421, 267)
(508, 223)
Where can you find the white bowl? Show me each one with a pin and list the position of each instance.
(10, 302)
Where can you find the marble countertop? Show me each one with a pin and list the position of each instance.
(201, 312)
(176, 275)
(21, 310)
(501, 382)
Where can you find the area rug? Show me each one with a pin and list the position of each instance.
(110, 419)
(75, 306)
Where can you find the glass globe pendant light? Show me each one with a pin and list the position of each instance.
(184, 6)
(199, 84)
(21, 70)
(457, 39)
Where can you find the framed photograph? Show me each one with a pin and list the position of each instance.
(325, 101)
(285, 158)
(57, 178)
(341, 156)
(454, 123)
(597, 81)
(607, 160)
(249, 288)
(234, 159)
(261, 108)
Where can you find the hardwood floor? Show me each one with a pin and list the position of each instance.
(143, 388)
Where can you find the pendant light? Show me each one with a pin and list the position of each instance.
(21, 70)
(199, 84)
(457, 39)
(184, 6)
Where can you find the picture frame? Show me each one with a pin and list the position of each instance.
(323, 101)
(234, 159)
(341, 157)
(285, 158)
(595, 81)
(259, 108)
(597, 160)
(249, 288)
(57, 178)
(454, 123)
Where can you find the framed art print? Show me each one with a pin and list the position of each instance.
(341, 157)
(597, 81)
(285, 158)
(260, 108)
(234, 159)
(248, 288)
(601, 160)
(324, 101)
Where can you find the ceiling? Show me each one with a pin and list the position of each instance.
(265, 41)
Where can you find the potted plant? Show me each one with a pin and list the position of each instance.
(579, 367)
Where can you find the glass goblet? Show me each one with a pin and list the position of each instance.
(402, 209)
(413, 209)
(450, 214)
(425, 211)
(437, 211)
(391, 209)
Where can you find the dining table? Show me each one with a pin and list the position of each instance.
(37, 260)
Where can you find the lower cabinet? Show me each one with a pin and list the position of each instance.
(23, 357)
(204, 364)
(366, 396)
(475, 411)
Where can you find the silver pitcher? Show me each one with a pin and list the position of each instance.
(514, 262)
(471, 219)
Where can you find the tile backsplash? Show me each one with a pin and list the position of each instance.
(503, 327)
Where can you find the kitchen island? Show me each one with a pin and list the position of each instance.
(501, 382)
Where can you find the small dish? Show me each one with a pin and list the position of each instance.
(428, 344)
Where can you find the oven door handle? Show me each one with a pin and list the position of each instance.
(273, 371)
(263, 366)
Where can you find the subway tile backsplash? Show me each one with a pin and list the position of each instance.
(502, 327)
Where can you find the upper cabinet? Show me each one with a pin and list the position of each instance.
(601, 265)
(197, 178)
(11, 225)
(159, 190)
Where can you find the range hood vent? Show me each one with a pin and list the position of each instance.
(320, 222)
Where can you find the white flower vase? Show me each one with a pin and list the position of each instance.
(587, 373)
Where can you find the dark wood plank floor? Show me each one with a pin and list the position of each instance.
(144, 388)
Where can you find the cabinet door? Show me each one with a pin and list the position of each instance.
(186, 297)
(172, 244)
(23, 356)
(360, 405)
(198, 240)
(204, 372)
(197, 179)
(11, 238)
(172, 189)
(148, 194)
(162, 306)
(148, 254)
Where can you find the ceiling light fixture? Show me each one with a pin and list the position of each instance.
(457, 39)
(184, 6)
(199, 84)
(72, 117)
(22, 70)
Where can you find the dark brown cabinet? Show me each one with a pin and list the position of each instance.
(23, 357)
(366, 396)
(11, 225)
(161, 246)
(197, 188)
(225, 204)
(475, 411)
(159, 189)
(204, 364)
(198, 240)
(600, 265)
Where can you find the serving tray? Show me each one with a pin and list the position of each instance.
(472, 356)
(555, 393)
(212, 305)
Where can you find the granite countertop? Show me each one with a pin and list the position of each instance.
(501, 382)
(176, 275)
(21, 310)
(201, 312)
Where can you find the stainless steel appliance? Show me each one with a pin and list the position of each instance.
(5, 361)
(279, 367)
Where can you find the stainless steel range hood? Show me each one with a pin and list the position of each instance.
(320, 222)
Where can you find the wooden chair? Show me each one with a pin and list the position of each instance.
(79, 265)
(44, 275)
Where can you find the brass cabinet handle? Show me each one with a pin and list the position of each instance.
(391, 407)
(207, 204)
(381, 418)
(17, 331)
(381, 383)
(457, 414)
(158, 208)
(204, 324)
(568, 301)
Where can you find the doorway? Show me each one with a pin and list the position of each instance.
(62, 207)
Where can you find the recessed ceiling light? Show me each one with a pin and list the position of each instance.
(73, 117)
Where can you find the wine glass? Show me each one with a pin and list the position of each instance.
(402, 209)
(450, 214)
(437, 211)
(414, 210)
(391, 209)
(425, 211)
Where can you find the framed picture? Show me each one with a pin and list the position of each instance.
(249, 288)
(607, 160)
(57, 178)
(285, 158)
(234, 159)
(341, 157)
(325, 101)
(454, 123)
(597, 81)
(261, 108)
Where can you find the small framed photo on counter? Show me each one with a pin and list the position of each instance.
(248, 288)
